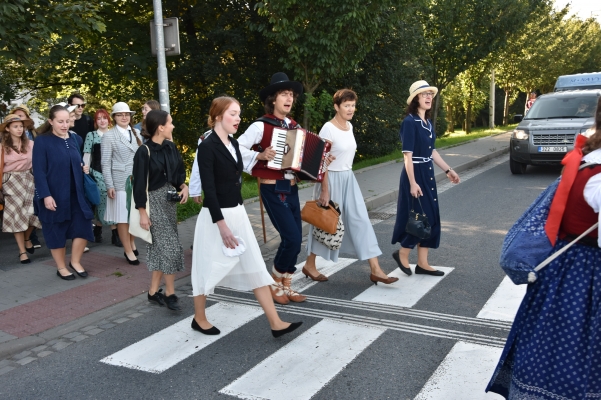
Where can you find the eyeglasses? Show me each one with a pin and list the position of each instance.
(122, 115)
(82, 105)
(427, 94)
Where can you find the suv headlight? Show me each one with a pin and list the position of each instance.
(587, 131)
(520, 134)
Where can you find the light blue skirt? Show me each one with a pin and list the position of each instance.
(359, 237)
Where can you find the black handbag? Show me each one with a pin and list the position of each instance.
(418, 224)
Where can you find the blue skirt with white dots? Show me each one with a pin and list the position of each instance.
(554, 347)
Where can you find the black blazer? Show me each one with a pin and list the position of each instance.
(220, 175)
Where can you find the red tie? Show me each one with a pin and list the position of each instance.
(572, 162)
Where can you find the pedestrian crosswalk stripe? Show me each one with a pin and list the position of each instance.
(405, 292)
(463, 374)
(164, 349)
(305, 365)
(326, 267)
(504, 302)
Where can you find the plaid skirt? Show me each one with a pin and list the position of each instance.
(18, 188)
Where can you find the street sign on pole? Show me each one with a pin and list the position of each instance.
(170, 37)
(162, 65)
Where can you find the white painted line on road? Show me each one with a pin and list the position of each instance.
(164, 349)
(405, 292)
(504, 303)
(326, 267)
(463, 374)
(306, 364)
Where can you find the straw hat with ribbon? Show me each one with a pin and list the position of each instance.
(14, 118)
(420, 87)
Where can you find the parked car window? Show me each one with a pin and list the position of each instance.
(563, 107)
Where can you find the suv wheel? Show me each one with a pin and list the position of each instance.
(517, 168)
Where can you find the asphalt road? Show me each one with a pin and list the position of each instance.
(407, 346)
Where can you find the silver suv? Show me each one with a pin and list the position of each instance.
(548, 131)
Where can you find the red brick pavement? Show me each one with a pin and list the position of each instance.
(39, 315)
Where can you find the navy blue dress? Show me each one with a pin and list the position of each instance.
(418, 137)
(57, 172)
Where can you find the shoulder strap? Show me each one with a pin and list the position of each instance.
(564, 248)
(147, 176)
(270, 121)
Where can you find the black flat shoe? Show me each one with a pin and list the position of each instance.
(69, 277)
(396, 258)
(83, 274)
(31, 249)
(98, 234)
(26, 261)
(420, 270)
(115, 238)
(136, 253)
(172, 302)
(291, 328)
(158, 297)
(211, 331)
(132, 262)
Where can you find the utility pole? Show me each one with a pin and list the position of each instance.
(491, 106)
(162, 65)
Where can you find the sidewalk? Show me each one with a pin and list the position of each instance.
(34, 300)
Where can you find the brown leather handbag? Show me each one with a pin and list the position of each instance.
(324, 218)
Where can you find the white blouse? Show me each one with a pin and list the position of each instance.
(343, 146)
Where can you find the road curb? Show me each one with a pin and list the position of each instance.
(16, 346)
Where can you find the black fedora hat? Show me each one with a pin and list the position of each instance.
(280, 81)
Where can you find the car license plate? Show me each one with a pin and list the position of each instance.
(552, 149)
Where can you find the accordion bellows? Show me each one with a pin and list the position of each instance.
(301, 151)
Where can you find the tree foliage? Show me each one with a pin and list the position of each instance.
(324, 39)
(102, 49)
(459, 33)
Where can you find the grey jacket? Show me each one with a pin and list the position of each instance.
(117, 158)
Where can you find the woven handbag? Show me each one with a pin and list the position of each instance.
(332, 241)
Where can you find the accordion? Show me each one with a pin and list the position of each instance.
(301, 151)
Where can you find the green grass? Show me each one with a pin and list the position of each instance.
(249, 183)
(449, 140)
(185, 211)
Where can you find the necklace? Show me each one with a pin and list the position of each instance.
(345, 128)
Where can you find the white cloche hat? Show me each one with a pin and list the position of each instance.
(121, 107)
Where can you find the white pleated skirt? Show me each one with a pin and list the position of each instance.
(211, 268)
(116, 209)
(359, 237)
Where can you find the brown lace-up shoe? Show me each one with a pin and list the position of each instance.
(277, 289)
(292, 295)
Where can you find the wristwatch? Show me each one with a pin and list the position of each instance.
(448, 170)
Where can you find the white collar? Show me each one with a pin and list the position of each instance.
(593, 157)
(123, 131)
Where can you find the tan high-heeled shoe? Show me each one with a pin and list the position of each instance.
(318, 278)
(375, 279)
